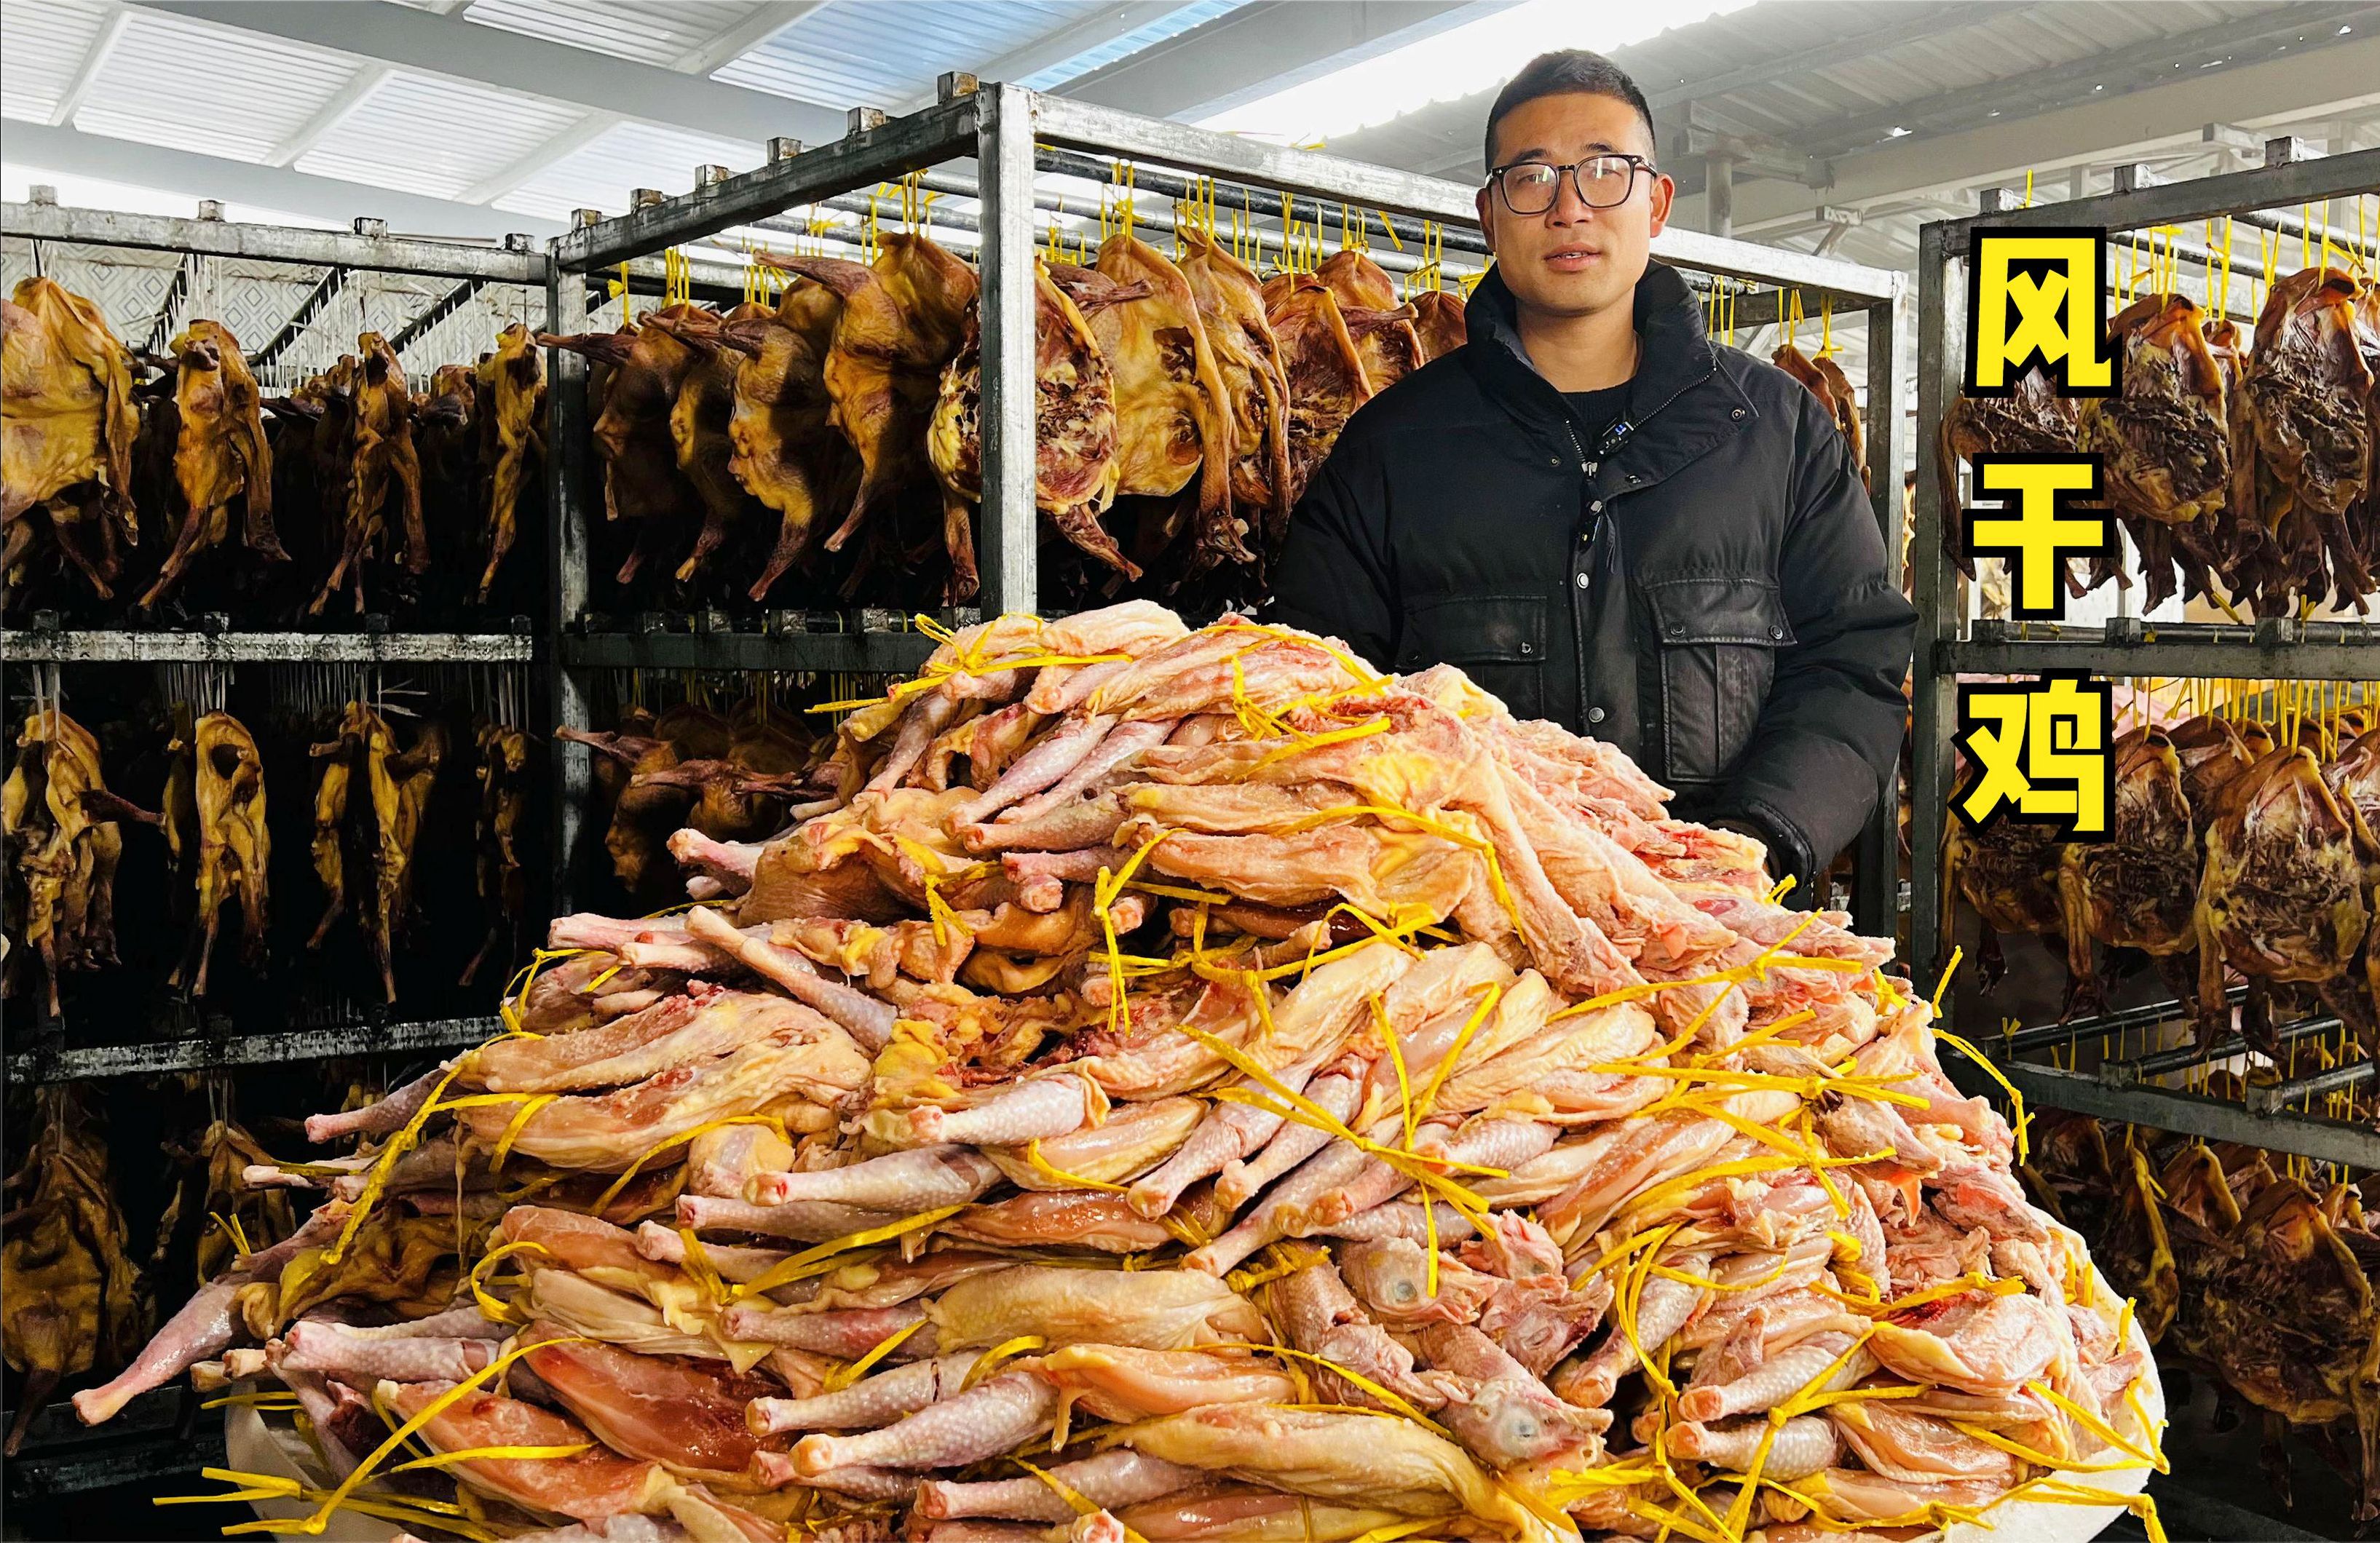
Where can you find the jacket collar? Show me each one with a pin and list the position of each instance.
(1677, 352)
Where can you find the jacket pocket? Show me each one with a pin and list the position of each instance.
(1498, 640)
(1716, 643)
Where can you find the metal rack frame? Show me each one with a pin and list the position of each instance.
(1013, 134)
(2269, 649)
(516, 640)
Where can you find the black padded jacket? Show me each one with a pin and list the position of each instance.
(1703, 586)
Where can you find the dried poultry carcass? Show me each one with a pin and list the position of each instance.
(2138, 889)
(641, 481)
(512, 382)
(1174, 419)
(503, 756)
(220, 453)
(2282, 899)
(2008, 874)
(383, 454)
(1074, 441)
(1325, 372)
(1231, 305)
(642, 814)
(213, 1199)
(66, 419)
(698, 423)
(62, 829)
(1438, 321)
(333, 834)
(70, 1301)
(234, 844)
(2163, 438)
(447, 438)
(2033, 419)
(2309, 392)
(400, 783)
(1326, 1050)
(1825, 380)
(1383, 330)
(787, 452)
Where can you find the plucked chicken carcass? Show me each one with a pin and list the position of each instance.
(699, 425)
(642, 815)
(1383, 330)
(1174, 417)
(2008, 874)
(641, 480)
(1231, 306)
(2138, 889)
(1438, 322)
(61, 823)
(1325, 372)
(2033, 419)
(2163, 438)
(2310, 389)
(1075, 445)
(67, 420)
(332, 831)
(1825, 380)
(383, 454)
(1291, 1100)
(220, 453)
(787, 452)
(513, 436)
(235, 845)
(70, 1300)
(503, 754)
(2282, 899)
(399, 783)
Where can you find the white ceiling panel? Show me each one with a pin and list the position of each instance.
(212, 90)
(426, 134)
(43, 43)
(654, 34)
(598, 174)
(887, 52)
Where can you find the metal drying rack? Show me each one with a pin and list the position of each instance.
(2275, 1116)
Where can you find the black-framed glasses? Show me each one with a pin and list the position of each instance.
(1603, 182)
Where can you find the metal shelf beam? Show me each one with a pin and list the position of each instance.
(2356, 1146)
(2302, 651)
(227, 238)
(145, 1058)
(2166, 203)
(886, 653)
(130, 648)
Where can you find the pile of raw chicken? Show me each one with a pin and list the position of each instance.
(2240, 848)
(2243, 469)
(1182, 1084)
(1184, 386)
(111, 455)
(2262, 1282)
(65, 836)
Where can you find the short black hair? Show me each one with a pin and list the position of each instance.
(1563, 72)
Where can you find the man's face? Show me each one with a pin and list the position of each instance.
(1574, 260)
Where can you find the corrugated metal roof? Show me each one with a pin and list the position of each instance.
(425, 134)
(890, 50)
(654, 34)
(213, 89)
(42, 45)
(599, 173)
(1173, 24)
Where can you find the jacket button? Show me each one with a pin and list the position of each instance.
(1553, 459)
(1676, 629)
(1633, 479)
(1737, 415)
(1595, 715)
(1777, 635)
(1583, 581)
(1527, 650)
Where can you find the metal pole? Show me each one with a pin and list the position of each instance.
(1933, 701)
(1719, 194)
(568, 494)
(1876, 870)
(1007, 530)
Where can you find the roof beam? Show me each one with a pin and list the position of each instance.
(102, 43)
(74, 153)
(2115, 128)
(1262, 48)
(460, 49)
(763, 22)
(310, 132)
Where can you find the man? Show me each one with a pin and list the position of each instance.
(1609, 521)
